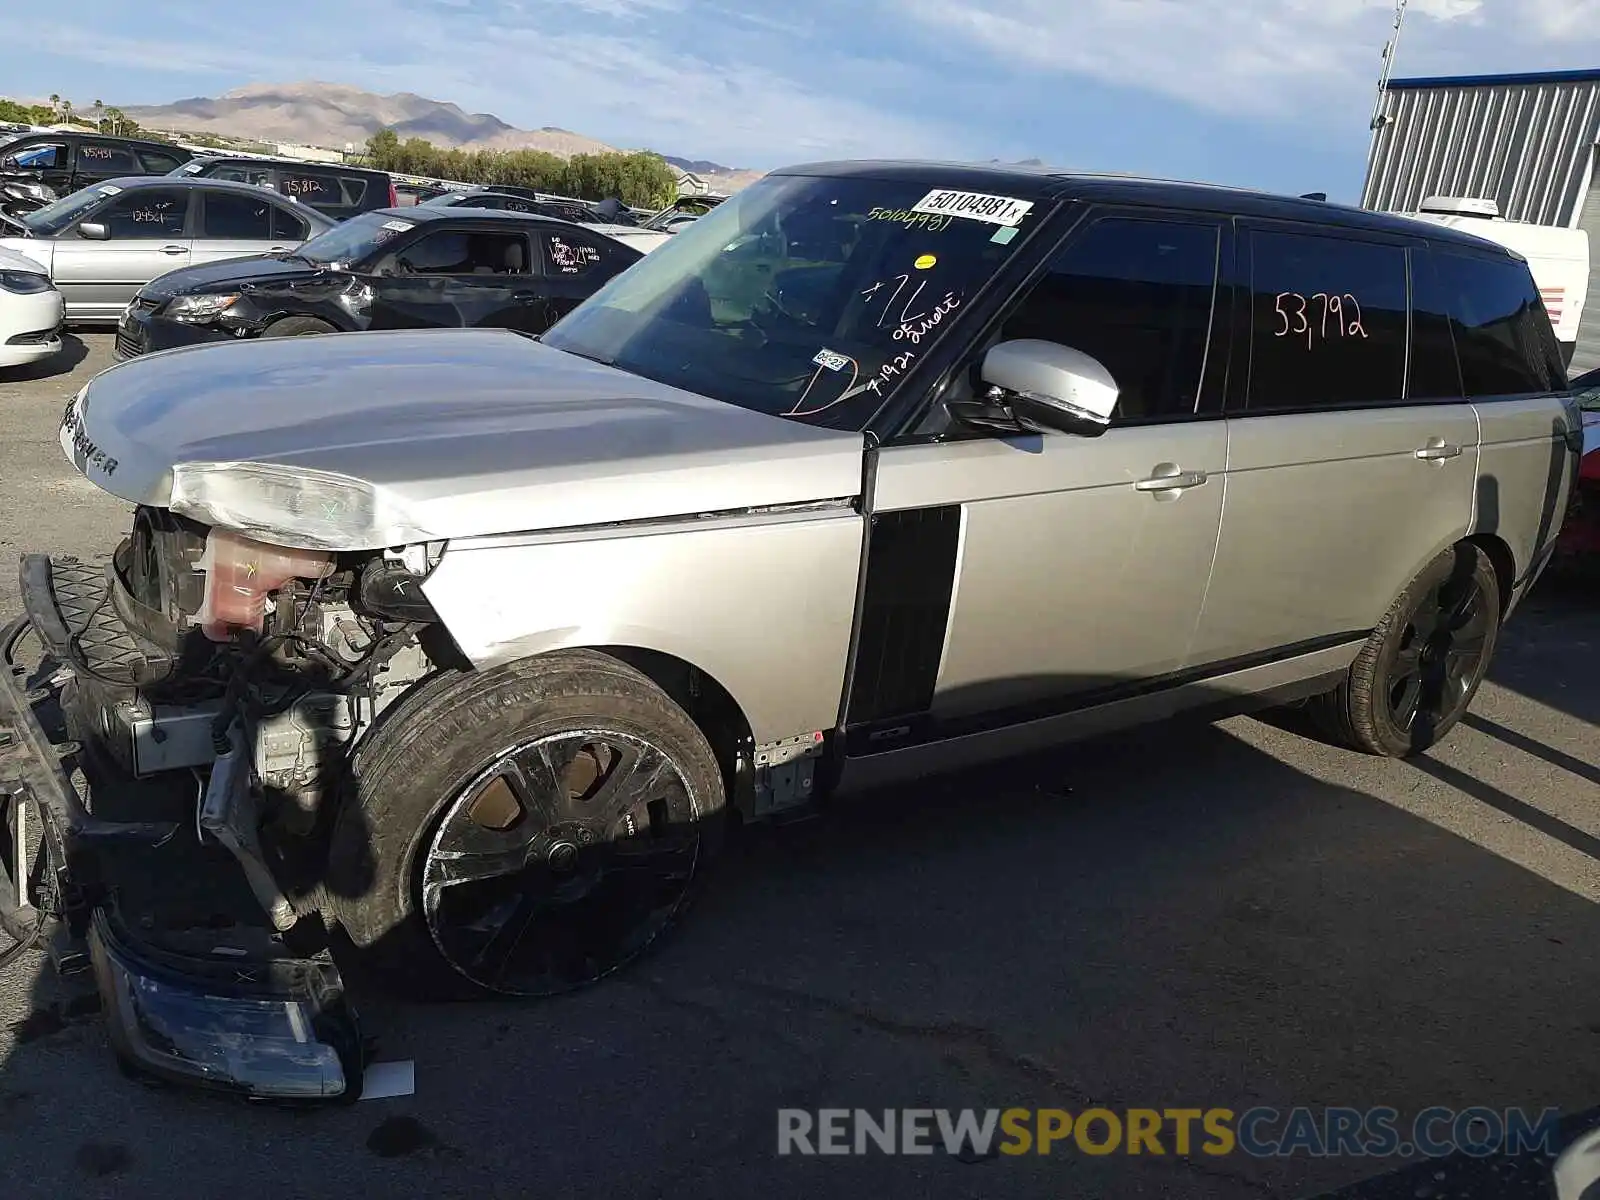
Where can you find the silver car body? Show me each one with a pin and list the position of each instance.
(98, 278)
(580, 505)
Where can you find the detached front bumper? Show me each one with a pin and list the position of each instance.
(196, 986)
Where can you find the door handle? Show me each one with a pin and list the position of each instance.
(1437, 450)
(276, 249)
(1168, 478)
(173, 249)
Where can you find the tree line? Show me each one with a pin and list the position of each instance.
(641, 179)
(105, 118)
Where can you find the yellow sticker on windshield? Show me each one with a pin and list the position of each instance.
(925, 261)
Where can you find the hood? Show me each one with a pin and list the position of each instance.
(470, 431)
(227, 274)
(35, 250)
(13, 260)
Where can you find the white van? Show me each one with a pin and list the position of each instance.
(1558, 257)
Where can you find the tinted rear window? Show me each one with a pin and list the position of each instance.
(1502, 332)
(1328, 322)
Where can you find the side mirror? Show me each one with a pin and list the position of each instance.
(94, 231)
(1041, 386)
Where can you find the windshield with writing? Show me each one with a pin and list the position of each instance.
(353, 241)
(804, 297)
(53, 218)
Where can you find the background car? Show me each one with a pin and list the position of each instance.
(495, 198)
(334, 190)
(401, 268)
(30, 311)
(61, 163)
(101, 244)
(1580, 533)
(414, 193)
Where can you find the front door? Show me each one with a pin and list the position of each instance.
(45, 160)
(149, 237)
(1345, 477)
(1013, 577)
(453, 276)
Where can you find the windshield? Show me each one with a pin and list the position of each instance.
(53, 218)
(803, 297)
(355, 239)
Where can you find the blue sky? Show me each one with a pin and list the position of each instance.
(1262, 93)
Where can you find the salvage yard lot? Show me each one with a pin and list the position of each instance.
(1185, 916)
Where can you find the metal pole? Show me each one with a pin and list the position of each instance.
(1379, 119)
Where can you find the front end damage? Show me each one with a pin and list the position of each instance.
(171, 720)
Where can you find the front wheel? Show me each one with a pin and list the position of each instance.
(297, 327)
(526, 830)
(1422, 665)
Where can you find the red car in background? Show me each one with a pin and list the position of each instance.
(1580, 535)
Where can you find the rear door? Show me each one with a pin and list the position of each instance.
(149, 229)
(98, 161)
(337, 196)
(1512, 368)
(576, 263)
(233, 224)
(1346, 474)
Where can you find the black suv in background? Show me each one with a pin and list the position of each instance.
(333, 189)
(67, 162)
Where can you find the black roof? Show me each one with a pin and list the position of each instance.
(419, 214)
(151, 143)
(273, 160)
(1047, 184)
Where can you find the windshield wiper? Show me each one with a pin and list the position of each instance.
(594, 358)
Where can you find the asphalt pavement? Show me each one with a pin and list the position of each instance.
(1190, 915)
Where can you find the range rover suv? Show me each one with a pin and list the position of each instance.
(478, 641)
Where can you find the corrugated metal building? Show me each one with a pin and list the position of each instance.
(1527, 142)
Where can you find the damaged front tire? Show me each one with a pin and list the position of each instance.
(524, 830)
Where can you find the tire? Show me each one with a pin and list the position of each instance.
(535, 763)
(1422, 665)
(297, 327)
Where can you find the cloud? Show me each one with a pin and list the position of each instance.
(1550, 19)
(1249, 58)
(1273, 60)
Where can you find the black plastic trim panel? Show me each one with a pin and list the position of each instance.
(911, 570)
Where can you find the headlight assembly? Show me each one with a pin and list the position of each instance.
(293, 506)
(24, 283)
(199, 309)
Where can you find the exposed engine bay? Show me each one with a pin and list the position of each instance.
(206, 648)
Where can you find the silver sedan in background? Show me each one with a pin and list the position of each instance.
(102, 244)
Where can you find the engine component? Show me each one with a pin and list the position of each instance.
(392, 589)
(240, 571)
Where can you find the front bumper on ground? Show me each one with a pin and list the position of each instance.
(196, 986)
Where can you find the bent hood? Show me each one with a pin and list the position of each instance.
(473, 432)
(268, 270)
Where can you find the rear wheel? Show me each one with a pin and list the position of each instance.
(526, 830)
(1421, 667)
(297, 327)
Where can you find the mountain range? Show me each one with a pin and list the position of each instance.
(331, 114)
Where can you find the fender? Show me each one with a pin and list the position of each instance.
(763, 603)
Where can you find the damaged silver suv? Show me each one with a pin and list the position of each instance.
(459, 649)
